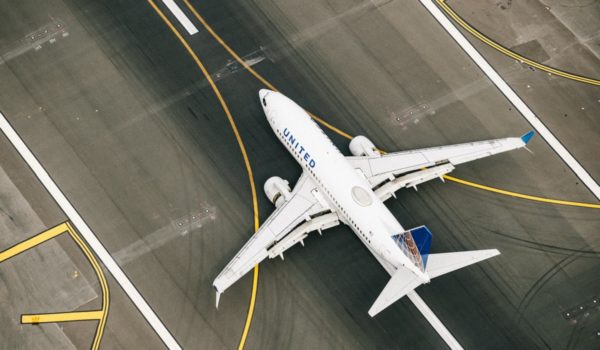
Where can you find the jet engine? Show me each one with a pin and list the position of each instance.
(362, 146)
(277, 190)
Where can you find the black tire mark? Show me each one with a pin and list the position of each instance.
(542, 246)
(541, 282)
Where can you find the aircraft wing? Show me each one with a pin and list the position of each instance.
(290, 223)
(393, 171)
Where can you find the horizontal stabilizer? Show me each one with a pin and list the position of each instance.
(402, 282)
(439, 264)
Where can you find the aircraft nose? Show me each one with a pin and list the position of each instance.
(263, 92)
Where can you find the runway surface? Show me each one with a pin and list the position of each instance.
(125, 123)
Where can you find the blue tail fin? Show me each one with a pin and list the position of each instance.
(422, 237)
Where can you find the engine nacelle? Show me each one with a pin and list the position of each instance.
(362, 146)
(277, 190)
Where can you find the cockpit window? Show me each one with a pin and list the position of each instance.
(264, 102)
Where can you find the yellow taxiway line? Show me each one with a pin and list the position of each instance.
(103, 285)
(242, 149)
(348, 136)
(320, 120)
(486, 40)
(247, 66)
(99, 315)
(521, 195)
(62, 317)
(32, 242)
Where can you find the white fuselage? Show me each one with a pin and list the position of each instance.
(344, 188)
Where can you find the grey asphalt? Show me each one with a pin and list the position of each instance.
(129, 129)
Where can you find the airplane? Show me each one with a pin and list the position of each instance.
(334, 188)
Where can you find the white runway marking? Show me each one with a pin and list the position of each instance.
(88, 235)
(525, 111)
(181, 17)
(434, 321)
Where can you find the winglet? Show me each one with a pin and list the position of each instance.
(527, 136)
(218, 297)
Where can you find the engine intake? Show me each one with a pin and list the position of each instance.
(277, 190)
(362, 146)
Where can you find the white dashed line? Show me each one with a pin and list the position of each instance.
(88, 235)
(181, 17)
(525, 111)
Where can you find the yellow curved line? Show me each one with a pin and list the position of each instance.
(250, 309)
(521, 195)
(103, 284)
(466, 26)
(250, 69)
(99, 315)
(244, 155)
(348, 136)
(221, 101)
